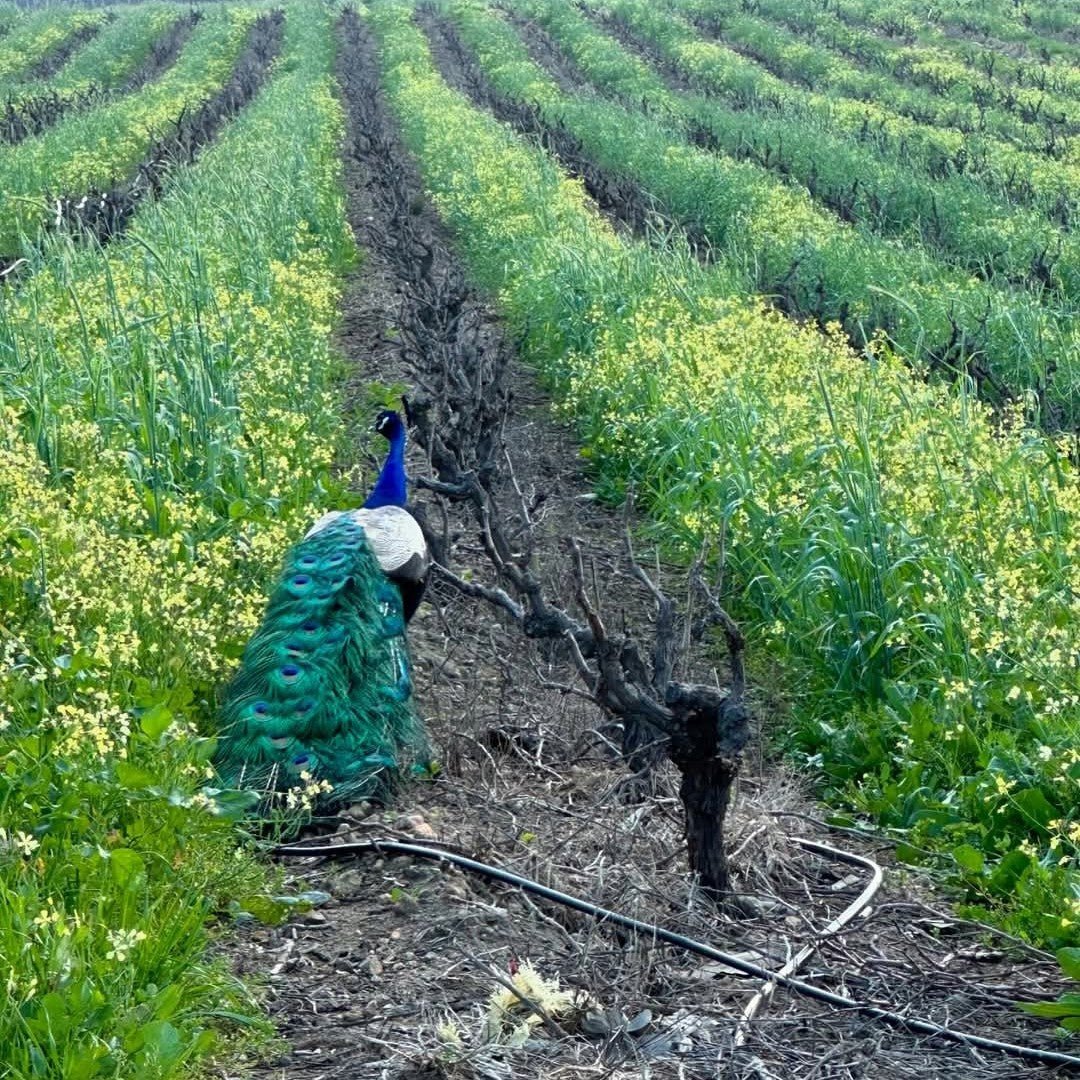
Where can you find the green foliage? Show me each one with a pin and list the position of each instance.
(773, 236)
(93, 149)
(112, 56)
(860, 177)
(33, 37)
(903, 554)
(1066, 1009)
(166, 429)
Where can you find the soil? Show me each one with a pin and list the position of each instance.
(391, 977)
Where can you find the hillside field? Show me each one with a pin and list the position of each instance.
(804, 278)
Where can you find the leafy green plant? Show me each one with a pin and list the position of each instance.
(1066, 1009)
(895, 546)
(166, 423)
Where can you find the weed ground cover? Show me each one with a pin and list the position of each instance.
(905, 554)
(805, 62)
(955, 217)
(1034, 179)
(90, 150)
(111, 57)
(166, 425)
(31, 38)
(971, 76)
(774, 237)
(993, 23)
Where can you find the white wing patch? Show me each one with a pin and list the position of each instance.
(392, 534)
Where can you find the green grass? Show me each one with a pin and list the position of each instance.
(97, 148)
(112, 56)
(800, 59)
(907, 560)
(33, 36)
(167, 422)
(956, 218)
(958, 71)
(773, 236)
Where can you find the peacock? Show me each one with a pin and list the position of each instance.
(322, 695)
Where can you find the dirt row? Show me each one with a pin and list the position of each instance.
(391, 977)
(31, 116)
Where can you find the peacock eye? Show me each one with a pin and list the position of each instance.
(310, 627)
(300, 580)
(260, 708)
(290, 672)
(304, 707)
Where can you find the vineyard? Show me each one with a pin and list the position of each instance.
(802, 279)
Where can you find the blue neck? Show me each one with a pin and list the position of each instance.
(389, 489)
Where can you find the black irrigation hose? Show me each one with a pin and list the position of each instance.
(926, 1027)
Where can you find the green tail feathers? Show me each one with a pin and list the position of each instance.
(324, 685)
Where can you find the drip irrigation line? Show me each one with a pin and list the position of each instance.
(670, 937)
(856, 907)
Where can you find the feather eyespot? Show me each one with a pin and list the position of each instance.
(291, 672)
(260, 708)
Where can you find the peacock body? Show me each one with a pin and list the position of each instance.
(323, 690)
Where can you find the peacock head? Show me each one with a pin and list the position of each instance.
(389, 424)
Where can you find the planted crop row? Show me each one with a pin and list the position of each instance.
(955, 218)
(914, 567)
(166, 425)
(772, 237)
(1043, 167)
(114, 54)
(991, 22)
(1052, 187)
(125, 55)
(792, 58)
(33, 37)
(938, 68)
(1051, 70)
(90, 150)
